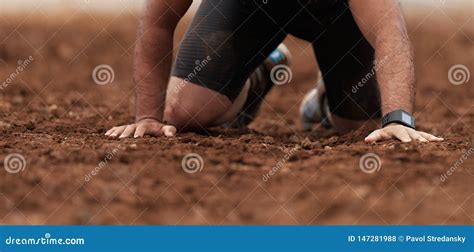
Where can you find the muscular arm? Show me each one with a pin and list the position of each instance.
(383, 24)
(153, 55)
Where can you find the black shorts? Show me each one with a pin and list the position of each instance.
(228, 39)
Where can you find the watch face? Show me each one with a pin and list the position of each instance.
(406, 118)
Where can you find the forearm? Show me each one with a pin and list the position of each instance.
(152, 66)
(396, 75)
(383, 24)
(153, 55)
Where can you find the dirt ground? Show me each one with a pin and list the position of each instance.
(54, 115)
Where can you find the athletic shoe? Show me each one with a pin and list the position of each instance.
(314, 107)
(260, 84)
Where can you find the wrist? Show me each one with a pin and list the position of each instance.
(399, 116)
(145, 117)
(149, 105)
(147, 109)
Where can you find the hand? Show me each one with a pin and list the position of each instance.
(150, 127)
(402, 133)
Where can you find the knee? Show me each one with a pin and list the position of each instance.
(176, 115)
(193, 106)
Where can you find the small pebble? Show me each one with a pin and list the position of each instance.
(306, 144)
(295, 139)
(4, 125)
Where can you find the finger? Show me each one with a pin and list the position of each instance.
(377, 135)
(372, 137)
(117, 131)
(154, 130)
(422, 139)
(169, 131)
(128, 131)
(140, 131)
(415, 135)
(430, 137)
(110, 131)
(401, 135)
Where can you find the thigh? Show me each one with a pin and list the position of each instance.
(346, 60)
(226, 41)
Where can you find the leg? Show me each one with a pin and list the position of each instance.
(221, 48)
(347, 96)
(197, 107)
(238, 114)
(347, 64)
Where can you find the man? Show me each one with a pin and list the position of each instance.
(351, 39)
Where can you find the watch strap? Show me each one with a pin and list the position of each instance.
(399, 116)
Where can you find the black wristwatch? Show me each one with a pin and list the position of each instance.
(399, 116)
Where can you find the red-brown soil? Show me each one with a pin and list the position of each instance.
(55, 116)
